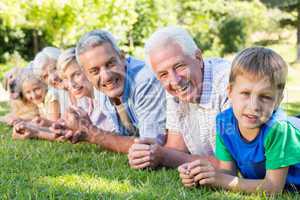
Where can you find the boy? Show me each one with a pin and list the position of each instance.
(254, 136)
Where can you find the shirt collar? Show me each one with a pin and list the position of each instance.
(205, 98)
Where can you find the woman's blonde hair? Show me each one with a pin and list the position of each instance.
(66, 57)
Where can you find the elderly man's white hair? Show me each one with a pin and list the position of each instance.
(171, 34)
(43, 57)
(95, 38)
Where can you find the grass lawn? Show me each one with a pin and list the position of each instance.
(36, 169)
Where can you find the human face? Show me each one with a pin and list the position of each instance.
(105, 69)
(253, 101)
(77, 82)
(180, 74)
(50, 75)
(34, 91)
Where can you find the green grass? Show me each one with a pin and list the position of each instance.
(36, 169)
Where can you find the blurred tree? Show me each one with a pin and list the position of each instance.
(290, 6)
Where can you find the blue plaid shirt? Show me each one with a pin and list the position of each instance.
(143, 98)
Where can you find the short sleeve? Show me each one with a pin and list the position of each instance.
(172, 114)
(282, 145)
(221, 151)
(150, 108)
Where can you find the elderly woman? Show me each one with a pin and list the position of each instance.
(44, 67)
(82, 90)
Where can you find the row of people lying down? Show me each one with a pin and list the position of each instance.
(221, 119)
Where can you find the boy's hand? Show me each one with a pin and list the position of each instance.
(202, 172)
(185, 174)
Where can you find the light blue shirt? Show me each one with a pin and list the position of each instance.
(144, 100)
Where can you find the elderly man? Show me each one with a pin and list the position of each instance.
(196, 93)
(125, 88)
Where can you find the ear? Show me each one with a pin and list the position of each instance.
(229, 91)
(198, 56)
(122, 55)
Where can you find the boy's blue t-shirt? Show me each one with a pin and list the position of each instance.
(277, 145)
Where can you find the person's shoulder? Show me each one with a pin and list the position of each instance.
(225, 115)
(217, 64)
(225, 122)
(220, 70)
(138, 70)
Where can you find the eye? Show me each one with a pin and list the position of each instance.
(180, 67)
(77, 74)
(111, 63)
(245, 93)
(266, 98)
(163, 76)
(94, 71)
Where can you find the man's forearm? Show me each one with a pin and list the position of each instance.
(174, 158)
(111, 141)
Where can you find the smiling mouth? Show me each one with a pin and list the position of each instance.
(111, 84)
(182, 88)
(251, 117)
(77, 90)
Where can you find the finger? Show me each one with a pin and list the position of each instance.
(140, 160)
(185, 176)
(207, 181)
(69, 134)
(139, 154)
(200, 169)
(200, 162)
(146, 140)
(189, 185)
(140, 147)
(61, 139)
(204, 175)
(187, 181)
(141, 166)
(183, 168)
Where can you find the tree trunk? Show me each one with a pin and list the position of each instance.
(298, 33)
(35, 42)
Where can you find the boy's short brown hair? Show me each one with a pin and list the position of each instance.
(260, 62)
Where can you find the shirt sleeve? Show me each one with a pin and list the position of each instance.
(222, 152)
(150, 108)
(282, 144)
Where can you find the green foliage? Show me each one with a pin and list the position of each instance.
(29, 25)
(232, 35)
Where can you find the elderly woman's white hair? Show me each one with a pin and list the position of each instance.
(43, 57)
(95, 38)
(171, 34)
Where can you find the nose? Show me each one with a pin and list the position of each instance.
(33, 95)
(105, 75)
(254, 103)
(54, 79)
(174, 78)
(72, 84)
